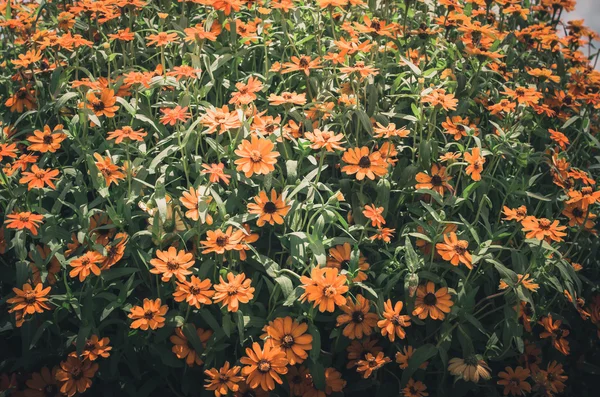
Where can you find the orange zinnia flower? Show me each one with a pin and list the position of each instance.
(150, 315)
(327, 140)
(85, 265)
(339, 258)
(263, 367)
(454, 250)
(182, 348)
(172, 116)
(371, 363)
(236, 290)
(223, 380)
(50, 265)
(47, 140)
(196, 202)
(523, 280)
(269, 210)
(22, 99)
(304, 64)
(29, 300)
(560, 138)
(95, 348)
(103, 106)
(114, 251)
(584, 198)
(579, 217)
(24, 220)
(542, 229)
(437, 181)
(357, 317)
(39, 178)
(8, 150)
(75, 375)
(415, 389)
(393, 323)
(111, 172)
(374, 215)
(438, 97)
(43, 383)
(216, 172)
(390, 131)
(172, 263)
(246, 92)
(128, 133)
(470, 369)
(220, 120)
(524, 95)
(432, 303)
(257, 156)
(287, 98)
(517, 214)
(363, 163)
(218, 241)
(290, 336)
(195, 292)
(476, 162)
(325, 288)
(161, 39)
(553, 330)
(514, 381)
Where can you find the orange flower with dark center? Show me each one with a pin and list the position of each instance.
(543, 229)
(432, 303)
(584, 198)
(8, 150)
(393, 323)
(111, 172)
(287, 98)
(21, 100)
(523, 280)
(454, 250)
(51, 265)
(114, 251)
(325, 139)
(514, 214)
(271, 210)
(183, 350)
(196, 202)
(24, 220)
(524, 95)
(371, 363)
(220, 120)
(256, 156)
(235, 290)
(339, 258)
(324, 288)
(43, 384)
(127, 133)
(358, 350)
(105, 105)
(263, 367)
(578, 217)
(172, 263)
(85, 265)
(514, 382)
(403, 356)
(415, 389)
(47, 140)
(218, 241)
(246, 92)
(555, 331)
(476, 162)
(363, 163)
(195, 292)
(290, 337)
(303, 64)
(39, 178)
(75, 375)
(161, 39)
(172, 116)
(470, 369)
(560, 138)
(149, 315)
(223, 380)
(437, 180)
(216, 173)
(358, 320)
(374, 215)
(29, 300)
(552, 379)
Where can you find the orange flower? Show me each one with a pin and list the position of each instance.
(8, 150)
(470, 369)
(39, 178)
(216, 172)
(339, 258)
(50, 265)
(371, 363)
(195, 292)
(403, 356)
(172, 263)
(437, 181)
(363, 163)
(290, 337)
(542, 229)
(415, 389)
(390, 131)
(552, 379)
(272, 211)
(374, 215)
(523, 95)
(236, 290)
(514, 381)
(432, 303)
(523, 280)
(24, 220)
(218, 241)
(75, 375)
(29, 300)
(172, 116)
(584, 198)
(22, 99)
(103, 106)
(517, 214)
(438, 97)
(285, 98)
(47, 141)
(128, 133)
(327, 140)
(257, 156)
(393, 323)
(325, 288)
(579, 217)
(85, 265)
(560, 138)
(357, 317)
(111, 172)
(114, 251)
(95, 348)
(182, 349)
(161, 39)
(553, 330)
(304, 64)
(196, 202)
(43, 383)
(455, 250)
(150, 315)
(246, 92)
(475, 164)
(221, 120)
(223, 380)
(263, 367)
(360, 68)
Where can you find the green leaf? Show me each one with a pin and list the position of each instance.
(420, 355)
(189, 330)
